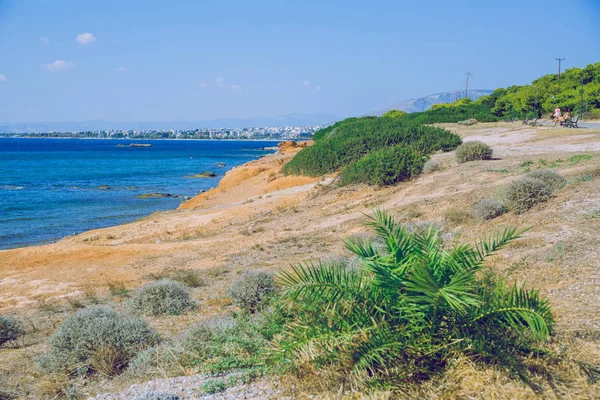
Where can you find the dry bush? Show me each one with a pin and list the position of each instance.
(10, 329)
(457, 217)
(251, 289)
(489, 208)
(472, 151)
(553, 180)
(432, 166)
(525, 193)
(160, 298)
(83, 340)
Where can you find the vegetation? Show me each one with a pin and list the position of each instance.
(394, 114)
(349, 140)
(472, 151)
(251, 289)
(553, 180)
(489, 209)
(384, 167)
(460, 110)
(156, 396)
(97, 339)
(411, 303)
(526, 192)
(162, 297)
(10, 329)
(431, 166)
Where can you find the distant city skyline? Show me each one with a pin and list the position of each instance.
(137, 60)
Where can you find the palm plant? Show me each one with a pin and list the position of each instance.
(410, 302)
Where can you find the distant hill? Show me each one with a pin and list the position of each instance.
(425, 103)
(259, 122)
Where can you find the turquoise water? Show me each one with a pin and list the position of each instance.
(51, 188)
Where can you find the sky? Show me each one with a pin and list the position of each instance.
(134, 60)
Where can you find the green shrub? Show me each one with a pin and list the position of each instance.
(525, 193)
(10, 329)
(251, 289)
(350, 140)
(384, 167)
(489, 209)
(160, 298)
(412, 303)
(431, 166)
(395, 114)
(553, 180)
(97, 339)
(472, 151)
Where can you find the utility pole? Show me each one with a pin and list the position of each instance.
(559, 61)
(467, 86)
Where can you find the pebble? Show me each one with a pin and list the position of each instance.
(188, 387)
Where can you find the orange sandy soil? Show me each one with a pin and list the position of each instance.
(258, 218)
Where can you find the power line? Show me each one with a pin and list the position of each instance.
(559, 61)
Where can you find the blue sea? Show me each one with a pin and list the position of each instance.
(51, 188)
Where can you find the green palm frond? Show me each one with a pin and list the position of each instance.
(458, 293)
(324, 283)
(493, 242)
(519, 308)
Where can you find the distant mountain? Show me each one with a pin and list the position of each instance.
(258, 122)
(425, 103)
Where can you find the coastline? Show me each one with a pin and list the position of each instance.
(110, 220)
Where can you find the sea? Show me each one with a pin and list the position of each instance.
(52, 188)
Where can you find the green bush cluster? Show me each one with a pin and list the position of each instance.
(10, 329)
(412, 303)
(97, 339)
(350, 140)
(526, 192)
(472, 151)
(489, 209)
(552, 179)
(384, 167)
(251, 289)
(461, 110)
(162, 297)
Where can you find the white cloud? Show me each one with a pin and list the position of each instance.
(85, 38)
(304, 83)
(317, 87)
(59, 65)
(2, 78)
(203, 85)
(44, 40)
(122, 69)
(220, 82)
(235, 87)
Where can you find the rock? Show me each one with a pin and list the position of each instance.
(221, 164)
(155, 195)
(205, 174)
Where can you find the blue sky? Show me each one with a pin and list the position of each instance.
(181, 60)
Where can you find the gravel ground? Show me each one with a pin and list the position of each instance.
(188, 387)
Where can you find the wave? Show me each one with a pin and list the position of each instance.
(11, 187)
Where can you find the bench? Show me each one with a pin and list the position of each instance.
(571, 123)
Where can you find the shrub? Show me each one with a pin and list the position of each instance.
(10, 329)
(162, 297)
(251, 289)
(431, 166)
(553, 180)
(384, 167)
(488, 209)
(350, 140)
(525, 193)
(471, 151)
(412, 303)
(97, 339)
(457, 216)
(395, 114)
